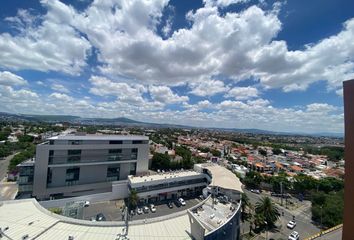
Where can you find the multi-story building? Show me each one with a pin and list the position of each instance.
(75, 165)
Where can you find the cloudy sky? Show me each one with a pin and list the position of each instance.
(271, 65)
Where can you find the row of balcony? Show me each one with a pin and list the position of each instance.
(82, 159)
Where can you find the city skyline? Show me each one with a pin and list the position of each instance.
(235, 64)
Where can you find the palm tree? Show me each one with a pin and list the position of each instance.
(133, 199)
(245, 203)
(268, 211)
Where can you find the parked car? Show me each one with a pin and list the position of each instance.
(100, 217)
(181, 200)
(86, 203)
(291, 224)
(294, 236)
(152, 208)
(132, 212)
(145, 209)
(139, 211)
(170, 204)
(255, 191)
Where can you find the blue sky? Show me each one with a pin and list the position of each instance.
(273, 65)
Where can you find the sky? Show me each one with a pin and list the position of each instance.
(272, 65)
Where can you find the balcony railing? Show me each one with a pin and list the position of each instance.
(91, 159)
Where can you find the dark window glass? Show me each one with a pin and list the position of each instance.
(51, 142)
(49, 176)
(116, 142)
(132, 169)
(113, 172)
(74, 152)
(137, 141)
(72, 174)
(51, 152)
(115, 151)
(134, 150)
(75, 142)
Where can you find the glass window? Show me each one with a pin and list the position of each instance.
(113, 172)
(132, 169)
(74, 152)
(72, 174)
(75, 142)
(134, 150)
(116, 142)
(115, 151)
(137, 141)
(49, 176)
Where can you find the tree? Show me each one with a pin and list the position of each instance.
(133, 199)
(160, 161)
(253, 179)
(268, 211)
(262, 152)
(215, 152)
(245, 203)
(276, 151)
(328, 208)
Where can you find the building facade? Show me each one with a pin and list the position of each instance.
(76, 165)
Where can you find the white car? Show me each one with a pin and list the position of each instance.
(86, 203)
(139, 211)
(291, 224)
(152, 208)
(181, 200)
(255, 191)
(145, 209)
(294, 236)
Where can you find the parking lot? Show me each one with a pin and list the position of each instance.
(112, 210)
(162, 209)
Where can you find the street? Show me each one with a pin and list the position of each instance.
(302, 217)
(335, 235)
(3, 166)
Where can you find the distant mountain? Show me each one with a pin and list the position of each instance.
(129, 122)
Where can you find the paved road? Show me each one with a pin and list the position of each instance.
(302, 217)
(335, 235)
(8, 190)
(3, 166)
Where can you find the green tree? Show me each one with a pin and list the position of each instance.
(262, 152)
(276, 151)
(268, 211)
(133, 199)
(160, 161)
(245, 204)
(215, 152)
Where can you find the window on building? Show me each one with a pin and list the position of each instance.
(113, 151)
(116, 142)
(75, 142)
(132, 169)
(134, 150)
(74, 152)
(51, 142)
(72, 174)
(113, 173)
(137, 141)
(74, 155)
(49, 176)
